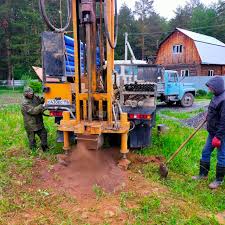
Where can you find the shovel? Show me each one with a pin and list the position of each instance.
(163, 170)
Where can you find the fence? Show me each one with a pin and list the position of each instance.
(199, 81)
(15, 83)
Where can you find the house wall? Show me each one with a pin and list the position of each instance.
(189, 55)
(218, 70)
(189, 59)
(193, 69)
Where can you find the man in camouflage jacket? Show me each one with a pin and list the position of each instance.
(32, 109)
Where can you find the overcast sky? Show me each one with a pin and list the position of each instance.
(164, 7)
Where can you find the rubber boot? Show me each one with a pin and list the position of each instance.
(44, 148)
(220, 173)
(203, 171)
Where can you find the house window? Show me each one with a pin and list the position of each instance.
(184, 73)
(177, 49)
(211, 73)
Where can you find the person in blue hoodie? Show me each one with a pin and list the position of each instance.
(216, 137)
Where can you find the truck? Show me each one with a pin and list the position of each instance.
(138, 100)
(170, 88)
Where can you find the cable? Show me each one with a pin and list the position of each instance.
(194, 28)
(133, 126)
(112, 45)
(47, 21)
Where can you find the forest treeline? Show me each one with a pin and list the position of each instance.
(21, 26)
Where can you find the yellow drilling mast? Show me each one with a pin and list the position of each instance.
(96, 111)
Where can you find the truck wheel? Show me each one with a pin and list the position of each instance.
(187, 100)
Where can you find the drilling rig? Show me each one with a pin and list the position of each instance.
(77, 75)
(87, 101)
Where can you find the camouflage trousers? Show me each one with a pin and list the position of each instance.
(42, 133)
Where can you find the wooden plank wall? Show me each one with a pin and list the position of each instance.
(218, 70)
(189, 55)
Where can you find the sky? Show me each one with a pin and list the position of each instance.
(164, 7)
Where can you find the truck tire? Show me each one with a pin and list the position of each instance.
(187, 100)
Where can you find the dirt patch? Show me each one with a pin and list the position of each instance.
(140, 159)
(10, 99)
(221, 217)
(85, 169)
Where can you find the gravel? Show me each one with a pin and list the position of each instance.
(191, 122)
(195, 121)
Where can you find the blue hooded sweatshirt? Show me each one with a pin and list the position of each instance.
(216, 110)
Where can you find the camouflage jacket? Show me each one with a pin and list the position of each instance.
(32, 110)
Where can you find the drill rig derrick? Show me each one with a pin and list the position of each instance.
(94, 110)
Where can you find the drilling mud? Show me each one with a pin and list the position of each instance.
(84, 169)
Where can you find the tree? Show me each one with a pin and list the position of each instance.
(143, 8)
(203, 20)
(126, 24)
(5, 37)
(20, 29)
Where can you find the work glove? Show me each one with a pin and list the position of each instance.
(44, 106)
(42, 100)
(216, 142)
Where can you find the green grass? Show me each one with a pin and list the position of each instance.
(206, 96)
(181, 200)
(185, 165)
(10, 97)
(17, 163)
(181, 115)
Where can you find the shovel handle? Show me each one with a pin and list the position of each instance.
(186, 141)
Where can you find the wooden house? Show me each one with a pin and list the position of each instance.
(192, 54)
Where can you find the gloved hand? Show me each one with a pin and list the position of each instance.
(44, 106)
(216, 142)
(42, 100)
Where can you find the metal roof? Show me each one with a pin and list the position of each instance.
(201, 37)
(211, 54)
(211, 50)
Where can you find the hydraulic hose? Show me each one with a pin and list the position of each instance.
(47, 21)
(112, 45)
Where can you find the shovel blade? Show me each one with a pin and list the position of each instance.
(163, 170)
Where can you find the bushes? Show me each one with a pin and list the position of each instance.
(35, 85)
(202, 94)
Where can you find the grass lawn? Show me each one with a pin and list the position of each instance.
(181, 115)
(177, 200)
(10, 97)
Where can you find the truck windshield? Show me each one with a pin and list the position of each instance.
(173, 77)
(150, 73)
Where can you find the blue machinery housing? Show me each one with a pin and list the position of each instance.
(69, 56)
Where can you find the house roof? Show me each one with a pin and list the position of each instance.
(201, 37)
(210, 49)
